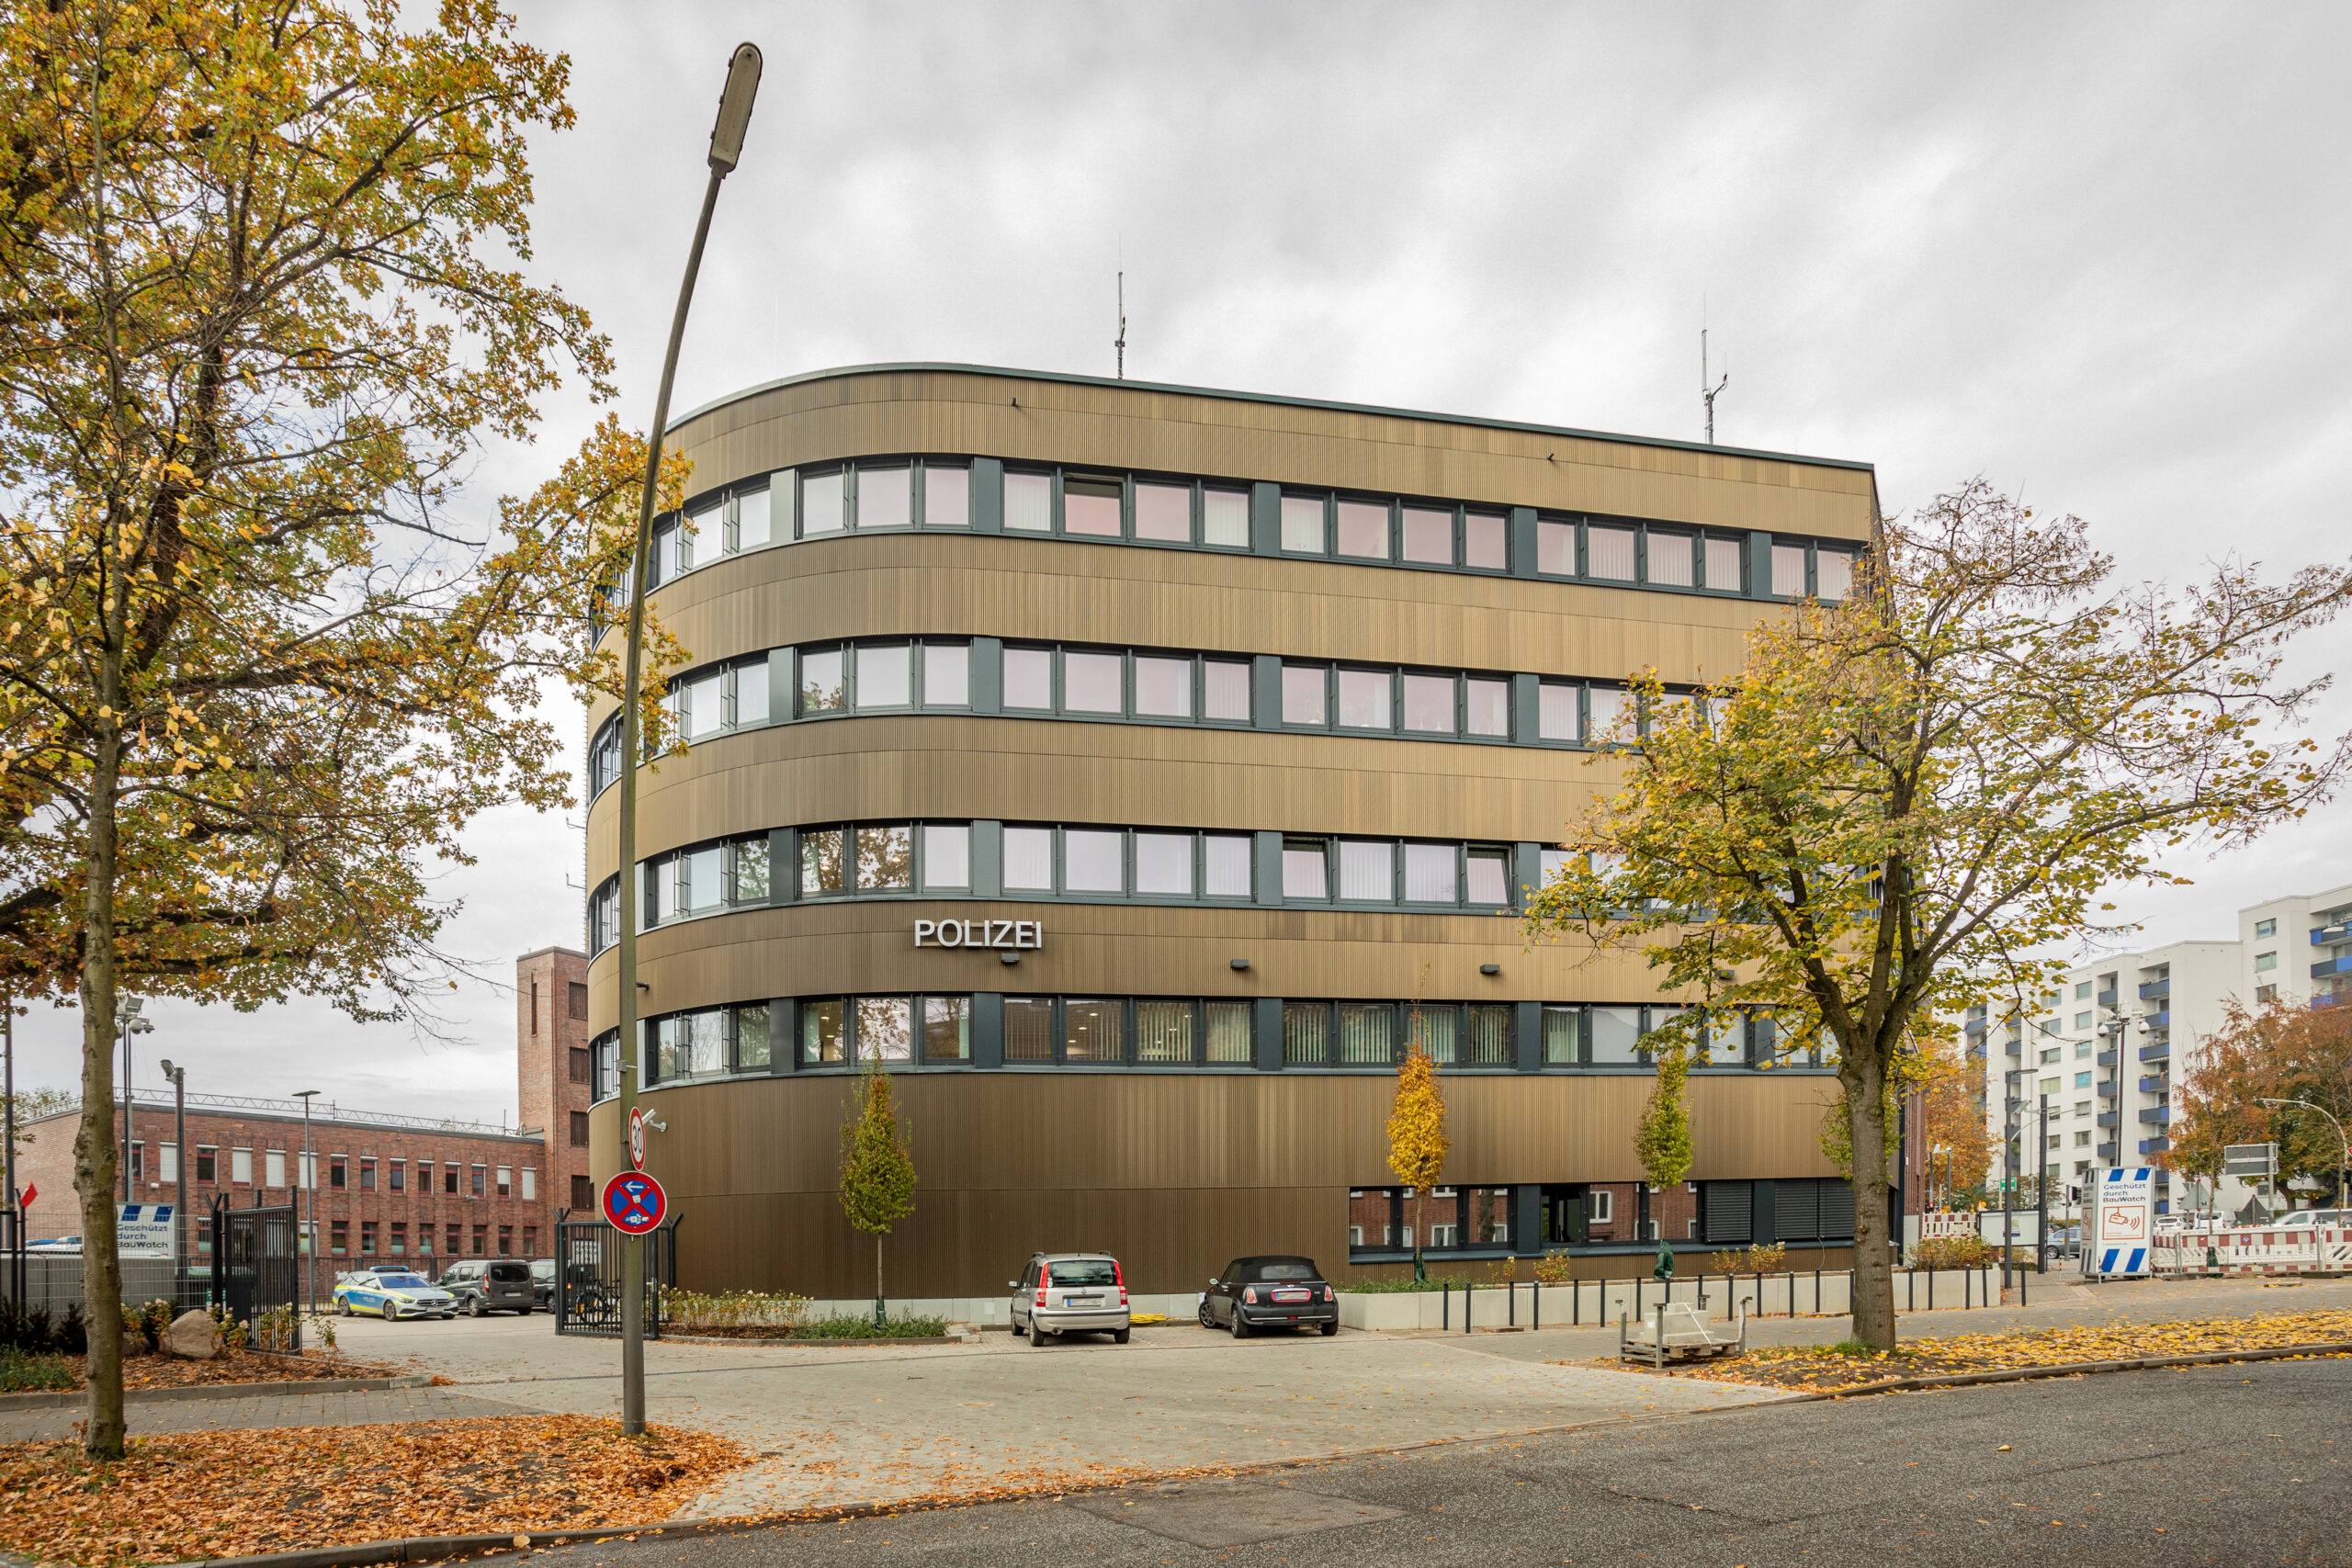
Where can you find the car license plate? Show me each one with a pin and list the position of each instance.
(1293, 1295)
(1081, 1301)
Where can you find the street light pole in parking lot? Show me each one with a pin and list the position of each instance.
(726, 151)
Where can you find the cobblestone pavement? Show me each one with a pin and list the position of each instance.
(372, 1409)
(2198, 1466)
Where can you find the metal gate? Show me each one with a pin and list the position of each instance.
(254, 1268)
(588, 1276)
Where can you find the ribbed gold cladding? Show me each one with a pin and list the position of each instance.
(1198, 433)
(1174, 1172)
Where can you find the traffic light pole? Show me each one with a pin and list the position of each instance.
(726, 150)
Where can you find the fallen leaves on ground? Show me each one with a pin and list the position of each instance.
(201, 1494)
(1817, 1368)
(230, 1366)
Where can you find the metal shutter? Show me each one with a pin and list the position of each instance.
(1796, 1211)
(1836, 1207)
(1725, 1211)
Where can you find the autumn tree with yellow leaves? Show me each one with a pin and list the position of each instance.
(1417, 1136)
(262, 656)
(1910, 801)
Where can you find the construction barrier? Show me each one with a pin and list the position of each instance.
(2242, 1249)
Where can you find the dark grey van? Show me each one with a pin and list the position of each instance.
(490, 1285)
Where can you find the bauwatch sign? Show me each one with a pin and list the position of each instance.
(1029, 935)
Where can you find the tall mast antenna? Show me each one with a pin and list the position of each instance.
(1121, 342)
(1708, 394)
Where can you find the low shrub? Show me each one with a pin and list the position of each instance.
(860, 1325)
(149, 1320)
(732, 1309)
(1406, 1284)
(1555, 1268)
(20, 1373)
(1764, 1257)
(1953, 1252)
(72, 1336)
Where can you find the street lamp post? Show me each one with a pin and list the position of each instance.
(2041, 1197)
(127, 1016)
(306, 1249)
(179, 1176)
(2343, 1163)
(726, 151)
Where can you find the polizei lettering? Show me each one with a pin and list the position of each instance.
(1029, 935)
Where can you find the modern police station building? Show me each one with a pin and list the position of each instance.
(1134, 771)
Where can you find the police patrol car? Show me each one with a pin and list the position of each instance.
(391, 1295)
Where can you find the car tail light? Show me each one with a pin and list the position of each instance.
(1119, 1278)
(1326, 1293)
(1045, 1277)
(1250, 1295)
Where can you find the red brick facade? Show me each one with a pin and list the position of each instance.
(385, 1193)
(553, 1084)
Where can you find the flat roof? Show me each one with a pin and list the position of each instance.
(1561, 430)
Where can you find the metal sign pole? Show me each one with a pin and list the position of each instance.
(2041, 1198)
(726, 150)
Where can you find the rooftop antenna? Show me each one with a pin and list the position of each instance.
(1708, 394)
(1121, 342)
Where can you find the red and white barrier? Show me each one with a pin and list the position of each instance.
(2269, 1249)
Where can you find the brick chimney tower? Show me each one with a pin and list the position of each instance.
(554, 1084)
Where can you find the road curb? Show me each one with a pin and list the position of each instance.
(2077, 1369)
(58, 1399)
(439, 1548)
(789, 1342)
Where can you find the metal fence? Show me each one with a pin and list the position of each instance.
(588, 1277)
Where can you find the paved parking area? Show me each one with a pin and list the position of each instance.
(394, 1405)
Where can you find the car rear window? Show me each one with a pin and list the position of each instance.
(1280, 1268)
(1082, 1271)
(510, 1273)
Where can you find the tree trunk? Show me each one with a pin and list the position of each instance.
(1419, 1230)
(94, 1160)
(1874, 1293)
(877, 1281)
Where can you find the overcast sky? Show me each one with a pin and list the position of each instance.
(2095, 255)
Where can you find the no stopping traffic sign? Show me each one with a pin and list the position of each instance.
(635, 1202)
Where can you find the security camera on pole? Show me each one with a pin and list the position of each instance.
(726, 149)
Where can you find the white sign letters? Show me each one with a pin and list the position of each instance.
(1029, 935)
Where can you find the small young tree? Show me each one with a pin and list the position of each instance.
(1662, 1139)
(877, 1168)
(1416, 1140)
(1908, 802)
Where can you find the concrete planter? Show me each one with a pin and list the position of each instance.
(1600, 1303)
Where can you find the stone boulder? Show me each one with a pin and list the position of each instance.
(190, 1337)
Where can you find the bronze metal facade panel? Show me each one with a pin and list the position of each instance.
(861, 413)
(1175, 1173)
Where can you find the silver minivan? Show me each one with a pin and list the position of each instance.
(1070, 1293)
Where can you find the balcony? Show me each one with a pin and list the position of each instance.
(2328, 936)
(2339, 965)
(2107, 1057)
(2107, 1152)
(2159, 1052)
(2161, 1019)
(2157, 1115)
(2155, 1085)
(2109, 1118)
(2106, 1088)
(2154, 1145)
(2106, 999)
(2015, 1047)
(2155, 990)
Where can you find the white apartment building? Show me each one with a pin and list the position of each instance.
(2103, 1050)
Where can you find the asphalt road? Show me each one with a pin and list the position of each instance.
(2229, 1464)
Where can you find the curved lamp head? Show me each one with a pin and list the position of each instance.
(735, 107)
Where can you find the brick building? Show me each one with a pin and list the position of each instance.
(406, 1188)
(554, 1085)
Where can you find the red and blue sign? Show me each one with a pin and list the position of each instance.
(635, 1202)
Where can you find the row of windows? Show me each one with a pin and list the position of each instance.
(1157, 1032)
(1139, 685)
(1383, 1220)
(395, 1240)
(1094, 864)
(895, 494)
(343, 1172)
